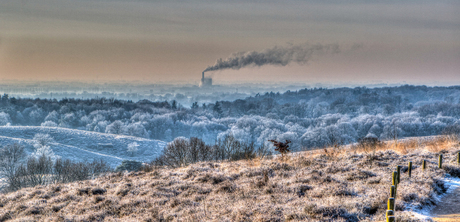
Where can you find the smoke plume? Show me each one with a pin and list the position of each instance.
(280, 56)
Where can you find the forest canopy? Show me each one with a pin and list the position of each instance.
(315, 117)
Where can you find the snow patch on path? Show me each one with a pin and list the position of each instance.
(425, 213)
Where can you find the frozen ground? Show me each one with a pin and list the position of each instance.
(427, 213)
(80, 145)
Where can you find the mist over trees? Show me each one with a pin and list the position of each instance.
(309, 118)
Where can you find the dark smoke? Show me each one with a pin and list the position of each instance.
(275, 56)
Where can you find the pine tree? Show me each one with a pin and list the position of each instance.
(195, 105)
(218, 109)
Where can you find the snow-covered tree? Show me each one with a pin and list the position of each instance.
(42, 146)
(136, 129)
(45, 151)
(117, 127)
(52, 116)
(49, 124)
(41, 140)
(68, 120)
(4, 119)
(133, 148)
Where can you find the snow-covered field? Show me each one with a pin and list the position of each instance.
(79, 145)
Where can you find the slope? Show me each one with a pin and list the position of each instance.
(347, 185)
(82, 145)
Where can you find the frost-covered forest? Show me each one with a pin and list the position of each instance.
(309, 117)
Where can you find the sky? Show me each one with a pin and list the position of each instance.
(412, 41)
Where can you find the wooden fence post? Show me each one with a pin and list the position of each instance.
(440, 161)
(394, 178)
(410, 168)
(392, 191)
(391, 204)
(395, 182)
(398, 168)
(389, 214)
(424, 165)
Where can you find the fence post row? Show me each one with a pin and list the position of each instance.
(393, 189)
(396, 179)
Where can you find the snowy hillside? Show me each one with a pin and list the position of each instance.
(82, 145)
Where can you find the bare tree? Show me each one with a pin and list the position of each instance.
(196, 150)
(182, 151)
(263, 151)
(10, 159)
(39, 170)
(176, 153)
(204, 150)
(43, 170)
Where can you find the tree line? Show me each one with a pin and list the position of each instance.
(19, 170)
(308, 117)
(183, 151)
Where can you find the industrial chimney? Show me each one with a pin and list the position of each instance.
(205, 82)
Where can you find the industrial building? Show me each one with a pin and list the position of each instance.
(205, 82)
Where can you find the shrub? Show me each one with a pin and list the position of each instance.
(281, 147)
(43, 171)
(182, 151)
(129, 165)
(41, 140)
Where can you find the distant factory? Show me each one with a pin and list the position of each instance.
(205, 82)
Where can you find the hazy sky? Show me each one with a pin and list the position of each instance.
(415, 41)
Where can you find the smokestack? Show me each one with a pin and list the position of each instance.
(205, 82)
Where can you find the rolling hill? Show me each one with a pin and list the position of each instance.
(80, 145)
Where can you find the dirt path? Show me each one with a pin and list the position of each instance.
(449, 208)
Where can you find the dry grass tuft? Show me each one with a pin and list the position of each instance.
(440, 144)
